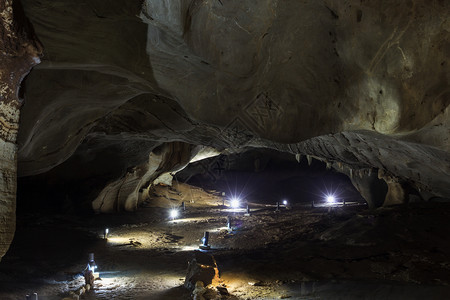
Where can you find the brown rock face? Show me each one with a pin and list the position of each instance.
(362, 85)
(19, 51)
(124, 193)
(243, 73)
(202, 267)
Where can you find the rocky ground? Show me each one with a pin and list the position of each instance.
(297, 253)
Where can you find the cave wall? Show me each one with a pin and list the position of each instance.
(358, 84)
(284, 71)
(124, 194)
(292, 70)
(19, 52)
(399, 162)
(232, 74)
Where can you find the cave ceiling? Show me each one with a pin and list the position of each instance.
(360, 85)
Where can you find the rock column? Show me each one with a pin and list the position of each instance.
(19, 52)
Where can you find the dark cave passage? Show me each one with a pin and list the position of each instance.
(269, 177)
(263, 177)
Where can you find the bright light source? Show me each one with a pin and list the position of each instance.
(330, 199)
(234, 202)
(92, 267)
(285, 202)
(91, 264)
(173, 213)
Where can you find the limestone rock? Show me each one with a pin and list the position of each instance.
(202, 267)
(373, 189)
(19, 52)
(362, 84)
(199, 290)
(222, 290)
(123, 194)
(81, 291)
(212, 74)
(420, 166)
(395, 193)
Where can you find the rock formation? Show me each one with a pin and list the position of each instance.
(361, 85)
(125, 193)
(19, 51)
(202, 268)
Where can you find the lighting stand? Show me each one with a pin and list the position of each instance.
(230, 228)
(247, 214)
(205, 241)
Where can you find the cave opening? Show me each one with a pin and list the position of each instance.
(268, 176)
(256, 175)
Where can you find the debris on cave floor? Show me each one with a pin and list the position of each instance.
(300, 253)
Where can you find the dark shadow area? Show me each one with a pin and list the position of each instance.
(265, 176)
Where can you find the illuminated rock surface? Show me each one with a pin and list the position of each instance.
(19, 51)
(202, 267)
(126, 77)
(361, 86)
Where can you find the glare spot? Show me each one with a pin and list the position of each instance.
(173, 213)
(234, 202)
(330, 199)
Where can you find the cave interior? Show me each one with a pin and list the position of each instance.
(224, 149)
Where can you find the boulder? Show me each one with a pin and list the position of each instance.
(202, 267)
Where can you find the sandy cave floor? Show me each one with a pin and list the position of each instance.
(298, 253)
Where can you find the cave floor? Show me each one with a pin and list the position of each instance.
(297, 253)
